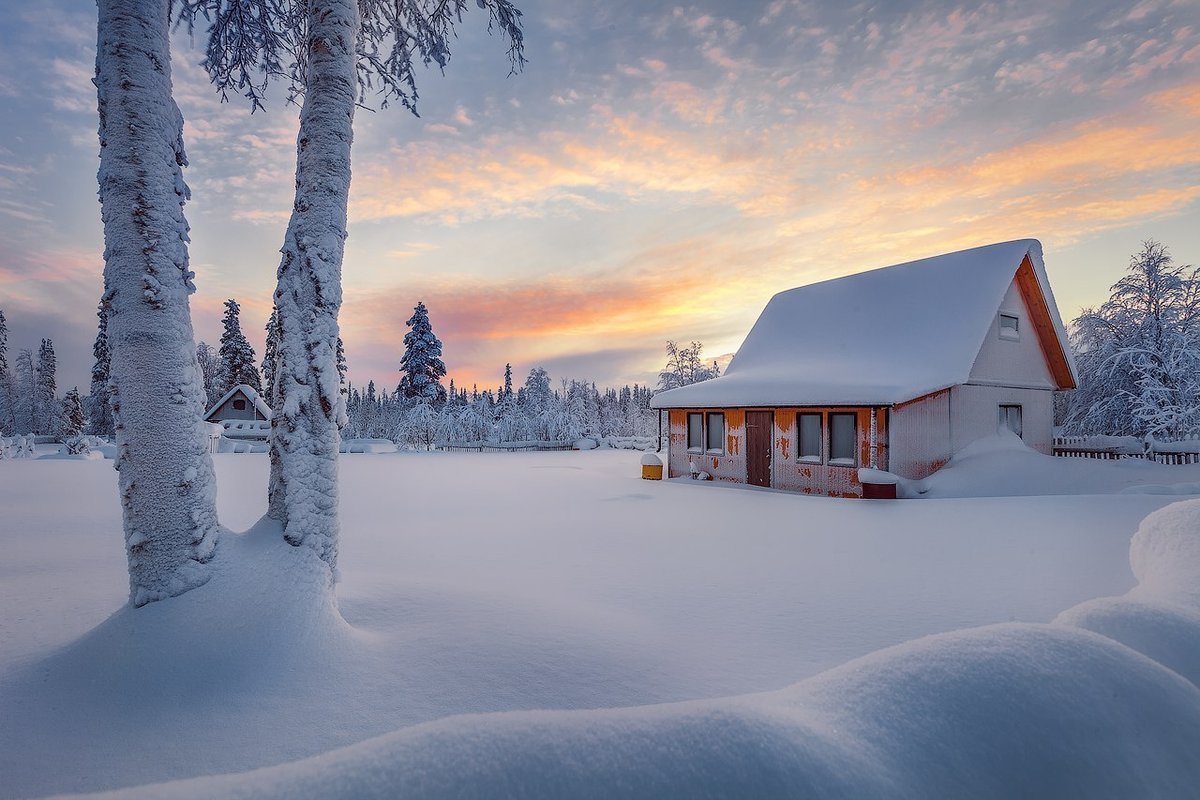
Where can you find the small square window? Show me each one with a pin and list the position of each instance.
(809, 437)
(1010, 417)
(1010, 326)
(716, 432)
(695, 432)
(239, 404)
(843, 439)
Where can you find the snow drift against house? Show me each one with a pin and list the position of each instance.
(876, 338)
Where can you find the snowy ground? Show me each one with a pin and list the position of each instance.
(501, 582)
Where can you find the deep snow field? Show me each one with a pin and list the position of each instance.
(474, 583)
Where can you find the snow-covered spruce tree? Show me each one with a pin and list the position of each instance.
(236, 354)
(421, 366)
(7, 384)
(74, 419)
(99, 410)
(24, 390)
(330, 53)
(1139, 353)
(270, 348)
(45, 394)
(166, 482)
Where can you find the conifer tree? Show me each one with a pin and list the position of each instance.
(237, 356)
(421, 366)
(24, 391)
(507, 391)
(99, 409)
(74, 419)
(45, 399)
(270, 355)
(7, 383)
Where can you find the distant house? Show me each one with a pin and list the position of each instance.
(896, 368)
(239, 403)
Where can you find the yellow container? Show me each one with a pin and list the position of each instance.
(652, 472)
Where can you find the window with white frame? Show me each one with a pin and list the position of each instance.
(843, 439)
(808, 437)
(1010, 326)
(715, 431)
(1010, 417)
(695, 431)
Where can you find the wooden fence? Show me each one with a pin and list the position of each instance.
(1112, 448)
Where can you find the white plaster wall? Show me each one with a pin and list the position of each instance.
(975, 412)
(920, 437)
(1010, 362)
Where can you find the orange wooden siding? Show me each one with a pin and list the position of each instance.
(787, 471)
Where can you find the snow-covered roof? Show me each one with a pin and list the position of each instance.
(250, 394)
(879, 337)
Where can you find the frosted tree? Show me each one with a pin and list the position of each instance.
(236, 354)
(45, 395)
(74, 419)
(99, 409)
(684, 366)
(1139, 353)
(270, 349)
(166, 481)
(421, 366)
(330, 54)
(24, 391)
(211, 373)
(7, 383)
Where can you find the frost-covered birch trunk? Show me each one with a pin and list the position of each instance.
(166, 478)
(308, 405)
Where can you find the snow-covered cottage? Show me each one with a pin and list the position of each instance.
(896, 369)
(239, 403)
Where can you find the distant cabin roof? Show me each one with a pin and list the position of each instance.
(880, 337)
(250, 394)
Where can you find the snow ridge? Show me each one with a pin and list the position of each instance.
(1011, 710)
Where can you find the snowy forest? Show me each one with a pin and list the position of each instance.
(1138, 356)
(418, 412)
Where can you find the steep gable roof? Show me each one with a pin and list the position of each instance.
(884, 336)
(249, 393)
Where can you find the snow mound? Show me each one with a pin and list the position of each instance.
(651, 460)
(585, 444)
(1161, 616)
(1002, 465)
(1103, 703)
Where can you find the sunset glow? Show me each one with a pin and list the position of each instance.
(657, 172)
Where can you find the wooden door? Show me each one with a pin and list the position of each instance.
(758, 447)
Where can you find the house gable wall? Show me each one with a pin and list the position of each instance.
(227, 411)
(1013, 362)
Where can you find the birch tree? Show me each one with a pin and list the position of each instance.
(166, 480)
(331, 55)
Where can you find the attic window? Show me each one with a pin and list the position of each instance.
(239, 405)
(1010, 327)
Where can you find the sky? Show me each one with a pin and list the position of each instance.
(656, 172)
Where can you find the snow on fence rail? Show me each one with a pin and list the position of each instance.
(509, 447)
(1184, 451)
